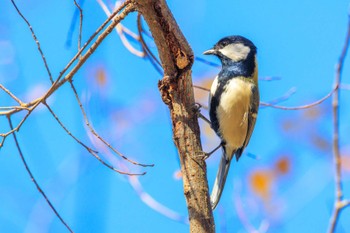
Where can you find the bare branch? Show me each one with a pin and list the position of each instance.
(87, 122)
(152, 58)
(344, 86)
(80, 23)
(284, 97)
(10, 108)
(91, 151)
(120, 30)
(31, 106)
(201, 88)
(5, 135)
(205, 61)
(272, 103)
(242, 215)
(130, 33)
(11, 95)
(270, 78)
(338, 203)
(35, 39)
(153, 203)
(301, 106)
(34, 180)
(177, 92)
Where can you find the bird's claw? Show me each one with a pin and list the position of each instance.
(201, 155)
(197, 108)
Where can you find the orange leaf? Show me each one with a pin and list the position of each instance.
(101, 77)
(260, 182)
(283, 165)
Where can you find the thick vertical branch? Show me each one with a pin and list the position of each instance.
(177, 92)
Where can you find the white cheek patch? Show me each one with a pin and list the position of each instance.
(235, 52)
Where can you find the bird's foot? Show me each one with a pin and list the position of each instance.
(201, 155)
(204, 155)
(197, 110)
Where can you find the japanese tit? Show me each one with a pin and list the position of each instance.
(233, 102)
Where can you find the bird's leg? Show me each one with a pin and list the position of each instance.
(197, 108)
(204, 118)
(205, 155)
(212, 152)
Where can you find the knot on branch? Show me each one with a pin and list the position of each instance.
(174, 51)
(166, 86)
(182, 60)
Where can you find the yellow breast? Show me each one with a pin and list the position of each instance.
(233, 112)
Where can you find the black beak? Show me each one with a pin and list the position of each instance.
(210, 52)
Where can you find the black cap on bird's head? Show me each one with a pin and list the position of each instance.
(234, 48)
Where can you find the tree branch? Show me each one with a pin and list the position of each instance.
(34, 180)
(126, 8)
(177, 92)
(339, 202)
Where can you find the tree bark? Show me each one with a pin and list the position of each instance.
(177, 92)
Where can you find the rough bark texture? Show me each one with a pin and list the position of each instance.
(177, 92)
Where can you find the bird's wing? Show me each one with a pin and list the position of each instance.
(252, 115)
(213, 104)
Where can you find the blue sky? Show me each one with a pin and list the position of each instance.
(297, 41)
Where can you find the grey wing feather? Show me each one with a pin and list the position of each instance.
(253, 111)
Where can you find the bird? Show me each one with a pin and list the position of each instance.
(233, 102)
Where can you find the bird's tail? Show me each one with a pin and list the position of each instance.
(219, 181)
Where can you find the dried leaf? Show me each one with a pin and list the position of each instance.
(312, 113)
(261, 181)
(282, 166)
(101, 77)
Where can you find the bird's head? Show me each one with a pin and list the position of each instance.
(233, 49)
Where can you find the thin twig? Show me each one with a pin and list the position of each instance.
(143, 42)
(80, 23)
(11, 95)
(4, 135)
(67, 131)
(284, 97)
(12, 107)
(155, 204)
(130, 33)
(91, 151)
(34, 180)
(152, 58)
(270, 78)
(205, 61)
(344, 86)
(301, 106)
(92, 130)
(102, 36)
(35, 39)
(120, 31)
(72, 26)
(129, 7)
(201, 88)
(338, 203)
(244, 218)
(77, 55)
